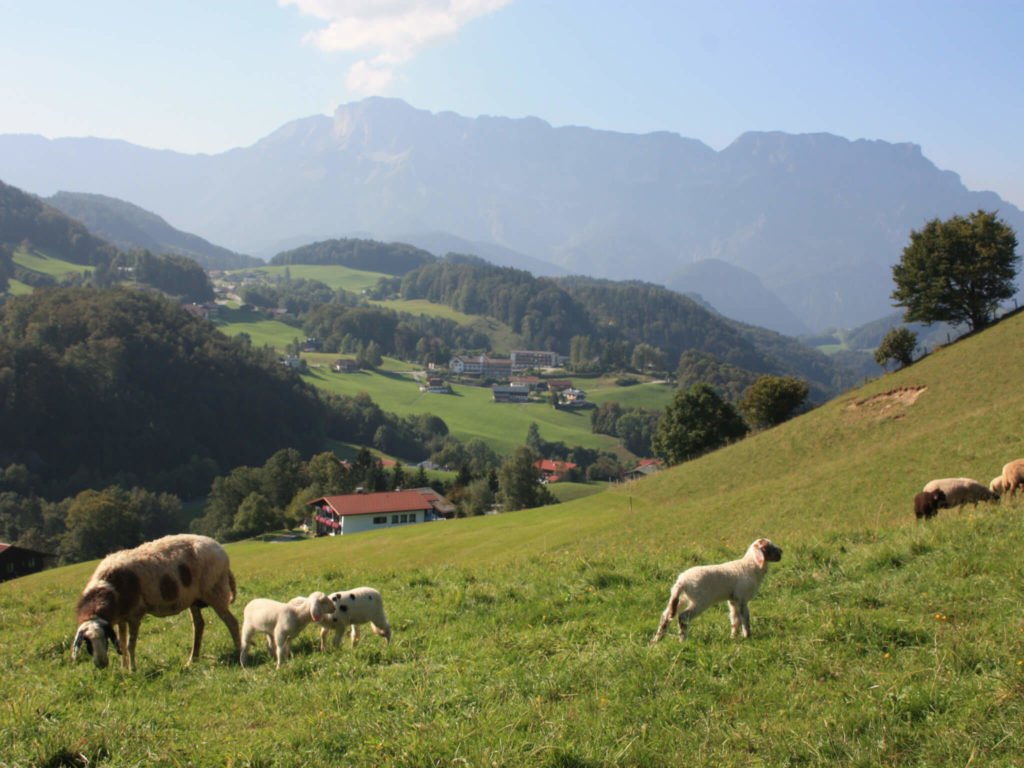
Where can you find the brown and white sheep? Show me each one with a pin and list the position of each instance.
(996, 486)
(1013, 476)
(161, 578)
(960, 490)
(737, 581)
(928, 503)
(353, 607)
(281, 622)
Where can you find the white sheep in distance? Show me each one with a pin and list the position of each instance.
(162, 578)
(996, 486)
(1013, 476)
(351, 608)
(960, 490)
(281, 622)
(704, 585)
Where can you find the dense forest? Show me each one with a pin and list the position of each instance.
(604, 322)
(132, 228)
(368, 255)
(123, 386)
(24, 219)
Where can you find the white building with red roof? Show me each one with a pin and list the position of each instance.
(358, 512)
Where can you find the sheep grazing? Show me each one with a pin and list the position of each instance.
(352, 608)
(1013, 476)
(960, 490)
(161, 578)
(281, 622)
(996, 486)
(928, 503)
(704, 585)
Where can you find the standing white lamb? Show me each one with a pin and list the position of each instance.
(281, 622)
(352, 608)
(704, 585)
(960, 490)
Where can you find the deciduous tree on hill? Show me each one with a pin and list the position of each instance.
(695, 422)
(957, 270)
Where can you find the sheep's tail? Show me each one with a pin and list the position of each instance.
(232, 586)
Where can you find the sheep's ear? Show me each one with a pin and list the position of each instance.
(758, 553)
(79, 638)
(109, 632)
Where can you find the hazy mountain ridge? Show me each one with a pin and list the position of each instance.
(129, 227)
(818, 219)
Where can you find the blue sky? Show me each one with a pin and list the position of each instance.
(208, 75)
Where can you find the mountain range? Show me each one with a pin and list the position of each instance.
(791, 232)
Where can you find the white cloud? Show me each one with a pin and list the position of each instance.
(390, 32)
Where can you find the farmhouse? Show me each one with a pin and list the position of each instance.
(438, 386)
(552, 471)
(358, 512)
(345, 365)
(643, 468)
(510, 393)
(19, 561)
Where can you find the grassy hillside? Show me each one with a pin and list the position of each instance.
(522, 639)
(334, 275)
(36, 261)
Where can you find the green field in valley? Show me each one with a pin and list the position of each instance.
(523, 638)
(334, 275)
(46, 265)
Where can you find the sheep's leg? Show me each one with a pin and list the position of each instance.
(735, 616)
(198, 623)
(668, 614)
(122, 639)
(685, 617)
(230, 621)
(323, 638)
(355, 634)
(133, 636)
(745, 618)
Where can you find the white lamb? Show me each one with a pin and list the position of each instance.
(351, 608)
(960, 490)
(704, 585)
(281, 622)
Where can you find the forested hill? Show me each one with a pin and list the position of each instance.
(99, 386)
(607, 320)
(24, 217)
(369, 255)
(130, 227)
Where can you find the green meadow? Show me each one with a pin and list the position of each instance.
(523, 638)
(334, 275)
(37, 261)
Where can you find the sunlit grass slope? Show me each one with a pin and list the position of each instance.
(37, 261)
(522, 639)
(334, 275)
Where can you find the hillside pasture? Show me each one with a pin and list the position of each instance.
(37, 261)
(336, 276)
(522, 638)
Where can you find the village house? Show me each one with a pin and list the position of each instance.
(643, 468)
(553, 471)
(345, 365)
(438, 386)
(573, 398)
(524, 359)
(510, 393)
(358, 512)
(19, 561)
(481, 365)
(533, 382)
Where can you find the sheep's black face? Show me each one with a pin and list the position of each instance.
(771, 553)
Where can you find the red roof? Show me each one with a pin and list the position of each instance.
(550, 465)
(374, 503)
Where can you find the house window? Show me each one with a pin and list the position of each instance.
(404, 519)
(382, 520)
(394, 519)
(412, 517)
